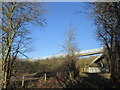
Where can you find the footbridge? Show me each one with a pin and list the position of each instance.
(77, 54)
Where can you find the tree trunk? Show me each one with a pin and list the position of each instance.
(6, 73)
(4, 79)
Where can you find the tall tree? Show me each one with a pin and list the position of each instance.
(107, 19)
(16, 17)
(72, 50)
(70, 70)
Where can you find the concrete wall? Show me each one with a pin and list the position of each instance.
(93, 70)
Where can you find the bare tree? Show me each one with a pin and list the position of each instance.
(107, 19)
(69, 70)
(71, 46)
(16, 17)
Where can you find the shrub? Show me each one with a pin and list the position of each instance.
(68, 73)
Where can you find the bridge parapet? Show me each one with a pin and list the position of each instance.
(91, 50)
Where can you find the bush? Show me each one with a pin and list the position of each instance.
(68, 73)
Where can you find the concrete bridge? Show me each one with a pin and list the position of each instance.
(78, 54)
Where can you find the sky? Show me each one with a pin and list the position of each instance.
(48, 40)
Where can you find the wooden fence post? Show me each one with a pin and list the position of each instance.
(23, 81)
(45, 76)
